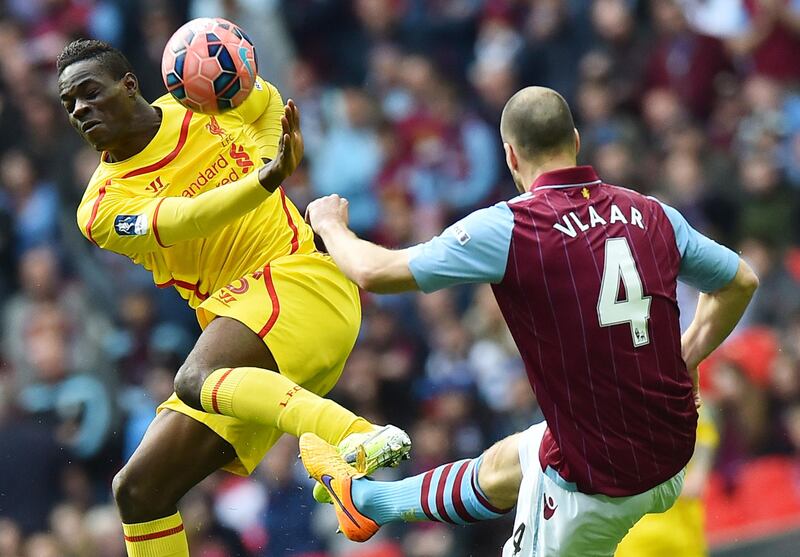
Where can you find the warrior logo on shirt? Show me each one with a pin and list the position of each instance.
(156, 185)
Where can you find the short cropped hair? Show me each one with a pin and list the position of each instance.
(110, 58)
(538, 120)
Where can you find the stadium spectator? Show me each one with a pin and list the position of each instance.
(767, 37)
(683, 61)
(352, 128)
(47, 303)
(34, 202)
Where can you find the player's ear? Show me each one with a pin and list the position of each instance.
(511, 157)
(131, 84)
(577, 142)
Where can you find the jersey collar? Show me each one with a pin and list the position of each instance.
(572, 177)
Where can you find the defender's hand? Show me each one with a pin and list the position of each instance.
(290, 150)
(695, 375)
(327, 211)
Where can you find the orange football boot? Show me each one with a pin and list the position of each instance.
(324, 464)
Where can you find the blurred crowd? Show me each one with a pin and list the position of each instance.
(694, 101)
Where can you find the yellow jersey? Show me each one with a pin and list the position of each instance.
(218, 223)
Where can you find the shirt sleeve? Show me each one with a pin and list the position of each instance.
(261, 113)
(705, 264)
(118, 222)
(475, 249)
(133, 225)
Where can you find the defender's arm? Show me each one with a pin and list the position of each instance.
(475, 249)
(717, 314)
(726, 285)
(371, 267)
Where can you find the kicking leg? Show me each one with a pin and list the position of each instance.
(176, 453)
(470, 490)
(460, 492)
(500, 474)
(207, 381)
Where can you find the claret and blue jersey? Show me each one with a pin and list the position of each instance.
(585, 274)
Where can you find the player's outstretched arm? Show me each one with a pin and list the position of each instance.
(472, 250)
(372, 267)
(717, 314)
(181, 219)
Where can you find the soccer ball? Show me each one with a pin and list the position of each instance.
(209, 65)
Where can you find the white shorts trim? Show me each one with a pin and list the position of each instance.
(554, 519)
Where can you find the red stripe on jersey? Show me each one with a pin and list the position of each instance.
(155, 224)
(194, 287)
(214, 392)
(458, 502)
(292, 225)
(276, 306)
(426, 489)
(440, 494)
(100, 195)
(155, 535)
(171, 155)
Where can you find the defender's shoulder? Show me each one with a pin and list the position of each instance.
(626, 192)
(527, 196)
(654, 205)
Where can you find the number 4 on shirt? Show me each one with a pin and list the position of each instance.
(635, 308)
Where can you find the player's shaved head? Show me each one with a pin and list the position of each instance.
(537, 121)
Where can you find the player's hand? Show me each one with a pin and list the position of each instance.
(694, 485)
(290, 150)
(326, 211)
(695, 375)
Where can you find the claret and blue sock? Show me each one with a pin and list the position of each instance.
(449, 493)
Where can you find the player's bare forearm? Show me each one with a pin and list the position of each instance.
(372, 267)
(716, 316)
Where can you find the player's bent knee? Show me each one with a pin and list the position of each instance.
(130, 498)
(500, 474)
(189, 382)
(137, 501)
(128, 495)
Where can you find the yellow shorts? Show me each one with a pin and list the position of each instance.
(308, 314)
(679, 531)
